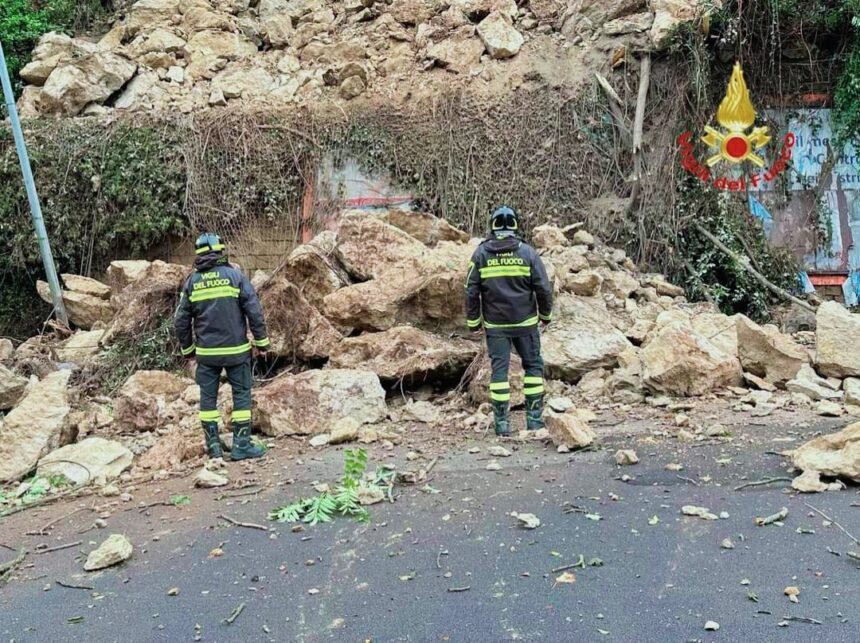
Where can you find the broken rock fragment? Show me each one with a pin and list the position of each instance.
(568, 429)
(116, 549)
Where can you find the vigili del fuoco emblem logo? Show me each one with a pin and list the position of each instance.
(735, 143)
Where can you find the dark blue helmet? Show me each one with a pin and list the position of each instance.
(504, 218)
(208, 242)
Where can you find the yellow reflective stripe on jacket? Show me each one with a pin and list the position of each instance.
(546, 317)
(209, 416)
(214, 293)
(223, 350)
(531, 321)
(262, 343)
(505, 271)
(469, 273)
(189, 350)
(473, 323)
(241, 416)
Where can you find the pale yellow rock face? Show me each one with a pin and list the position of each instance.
(34, 427)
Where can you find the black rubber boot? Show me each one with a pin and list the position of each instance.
(243, 448)
(534, 412)
(502, 417)
(213, 442)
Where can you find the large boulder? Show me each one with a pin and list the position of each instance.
(717, 328)
(91, 460)
(85, 311)
(678, 361)
(423, 290)
(141, 402)
(35, 426)
(459, 53)
(145, 14)
(499, 36)
(173, 448)
(580, 339)
(122, 273)
(92, 78)
(53, 49)
(428, 229)
(296, 329)
(149, 295)
(315, 269)
(81, 346)
(367, 246)
(86, 286)
(549, 237)
(838, 352)
(837, 454)
(406, 353)
(316, 401)
(767, 353)
(12, 387)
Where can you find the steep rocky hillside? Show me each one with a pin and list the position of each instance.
(185, 56)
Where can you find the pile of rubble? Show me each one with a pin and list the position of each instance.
(167, 55)
(377, 309)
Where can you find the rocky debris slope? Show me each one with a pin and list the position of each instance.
(167, 55)
(376, 341)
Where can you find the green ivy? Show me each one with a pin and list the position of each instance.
(714, 275)
(107, 192)
(22, 23)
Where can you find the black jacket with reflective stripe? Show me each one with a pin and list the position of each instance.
(507, 288)
(216, 306)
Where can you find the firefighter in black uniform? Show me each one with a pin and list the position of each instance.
(216, 306)
(508, 294)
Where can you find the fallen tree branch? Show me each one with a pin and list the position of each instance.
(744, 263)
(234, 614)
(759, 483)
(8, 568)
(638, 125)
(826, 517)
(249, 525)
(615, 107)
(73, 586)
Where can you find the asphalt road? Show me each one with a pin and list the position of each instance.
(395, 578)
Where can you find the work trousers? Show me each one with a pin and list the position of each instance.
(209, 378)
(528, 348)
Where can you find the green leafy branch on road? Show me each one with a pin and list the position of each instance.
(345, 500)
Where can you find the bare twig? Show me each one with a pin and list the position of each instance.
(235, 614)
(779, 516)
(759, 483)
(249, 525)
(460, 589)
(73, 586)
(58, 547)
(826, 517)
(41, 531)
(615, 104)
(690, 480)
(802, 619)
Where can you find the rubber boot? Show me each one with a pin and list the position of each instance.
(213, 442)
(502, 417)
(534, 412)
(243, 448)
